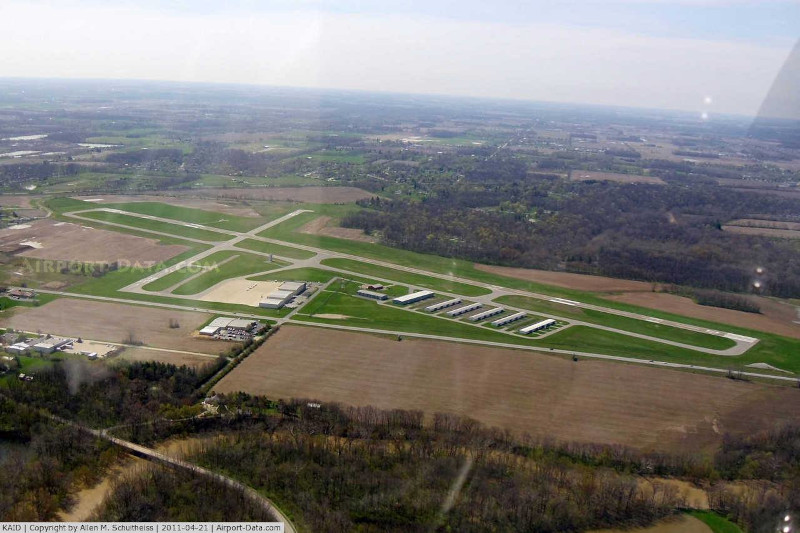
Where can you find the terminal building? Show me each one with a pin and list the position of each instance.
(281, 296)
(413, 297)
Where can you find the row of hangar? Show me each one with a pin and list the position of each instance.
(419, 296)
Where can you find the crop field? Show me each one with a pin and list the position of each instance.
(163, 356)
(65, 241)
(769, 232)
(569, 280)
(591, 401)
(113, 322)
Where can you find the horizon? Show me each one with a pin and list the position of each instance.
(699, 56)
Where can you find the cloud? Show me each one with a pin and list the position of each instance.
(397, 53)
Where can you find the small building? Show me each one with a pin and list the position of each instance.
(51, 345)
(536, 327)
(443, 305)
(18, 348)
(21, 294)
(209, 330)
(375, 287)
(465, 309)
(508, 319)
(413, 297)
(486, 314)
(372, 294)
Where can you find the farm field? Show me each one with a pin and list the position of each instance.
(768, 232)
(323, 226)
(163, 356)
(775, 317)
(569, 280)
(115, 322)
(66, 241)
(592, 401)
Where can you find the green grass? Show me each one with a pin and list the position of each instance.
(277, 249)
(241, 265)
(717, 523)
(407, 277)
(369, 314)
(619, 322)
(156, 225)
(188, 214)
(318, 275)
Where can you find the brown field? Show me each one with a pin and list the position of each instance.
(583, 282)
(761, 223)
(64, 241)
(319, 226)
(767, 232)
(314, 195)
(15, 200)
(681, 524)
(113, 322)
(590, 401)
(196, 203)
(164, 356)
(775, 317)
(587, 175)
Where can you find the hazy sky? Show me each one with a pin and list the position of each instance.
(699, 55)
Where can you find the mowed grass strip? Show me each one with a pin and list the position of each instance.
(369, 314)
(277, 249)
(633, 325)
(185, 272)
(409, 278)
(192, 215)
(156, 225)
(241, 265)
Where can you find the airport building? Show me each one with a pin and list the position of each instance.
(465, 309)
(285, 292)
(486, 314)
(230, 326)
(443, 305)
(413, 297)
(536, 327)
(52, 344)
(372, 294)
(508, 319)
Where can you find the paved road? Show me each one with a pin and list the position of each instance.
(172, 462)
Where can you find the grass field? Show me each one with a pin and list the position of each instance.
(717, 523)
(620, 322)
(409, 278)
(156, 225)
(241, 265)
(188, 214)
(277, 249)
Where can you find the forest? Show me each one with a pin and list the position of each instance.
(657, 233)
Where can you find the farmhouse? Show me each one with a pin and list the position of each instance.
(536, 327)
(372, 294)
(413, 297)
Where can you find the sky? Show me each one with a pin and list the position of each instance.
(707, 56)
